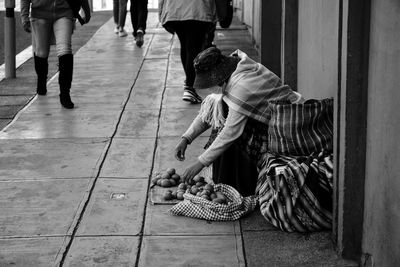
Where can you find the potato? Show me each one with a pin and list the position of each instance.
(213, 195)
(205, 197)
(171, 171)
(194, 189)
(165, 183)
(209, 187)
(179, 195)
(174, 193)
(154, 180)
(165, 176)
(182, 186)
(172, 182)
(218, 200)
(159, 182)
(206, 192)
(176, 177)
(168, 195)
(199, 184)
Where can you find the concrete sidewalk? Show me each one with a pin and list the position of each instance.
(74, 183)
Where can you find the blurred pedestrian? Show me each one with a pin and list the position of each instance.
(192, 21)
(139, 19)
(52, 21)
(119, 11)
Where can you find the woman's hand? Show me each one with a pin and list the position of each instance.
(192, 171)
(27, 26)
(180, 149)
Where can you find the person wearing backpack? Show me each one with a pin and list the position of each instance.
(49, 21)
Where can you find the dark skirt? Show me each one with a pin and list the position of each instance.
(237, 166)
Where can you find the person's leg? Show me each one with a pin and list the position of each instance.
(41, 32)
(63, 29)
(180, 32)
(139, 19)
(122, 17)
(196, 40)
(116, 15)
(196, 33)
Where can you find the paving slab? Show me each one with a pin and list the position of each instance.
(14, 100)
(138, 123)
(164, 157)
(210, 251)
(102, 251)
(129, 158)
(4, 122)
(50, 158)
(289, 249)
(143, 97)
(40, 208)
(256, 222)
(159, 221)
(42, 252)
(175, 122)
(61, 123)
(116, 207)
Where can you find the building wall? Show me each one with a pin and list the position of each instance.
(381, 237)
(318, 48)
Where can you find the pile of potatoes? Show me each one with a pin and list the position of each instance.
(168, 178)
(198, 187)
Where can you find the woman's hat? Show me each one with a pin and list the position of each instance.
(213, 68)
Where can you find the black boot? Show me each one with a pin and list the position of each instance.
(41, 68)
(65, 67)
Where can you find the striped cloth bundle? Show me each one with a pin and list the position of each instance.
(295, 193)
(300, 129)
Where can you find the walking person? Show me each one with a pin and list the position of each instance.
(49, 21)
(139, 13)
(192, 21)
(119, 13)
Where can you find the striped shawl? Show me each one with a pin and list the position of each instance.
(252, 86)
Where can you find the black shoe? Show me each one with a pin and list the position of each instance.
(139, 38)
(65, 100)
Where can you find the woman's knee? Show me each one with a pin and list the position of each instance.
(41, 52)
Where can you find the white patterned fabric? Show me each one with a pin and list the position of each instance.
(200, 208)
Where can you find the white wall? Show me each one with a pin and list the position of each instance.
(318, 48)
(382, 188)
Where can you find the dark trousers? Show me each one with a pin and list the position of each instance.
(138, 15)
(194, 38)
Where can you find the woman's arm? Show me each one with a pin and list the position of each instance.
(232, 130)
(25, 7)
(195, 129)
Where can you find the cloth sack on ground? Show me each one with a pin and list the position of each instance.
(200, 208)
(302, 128)
(295, 193)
